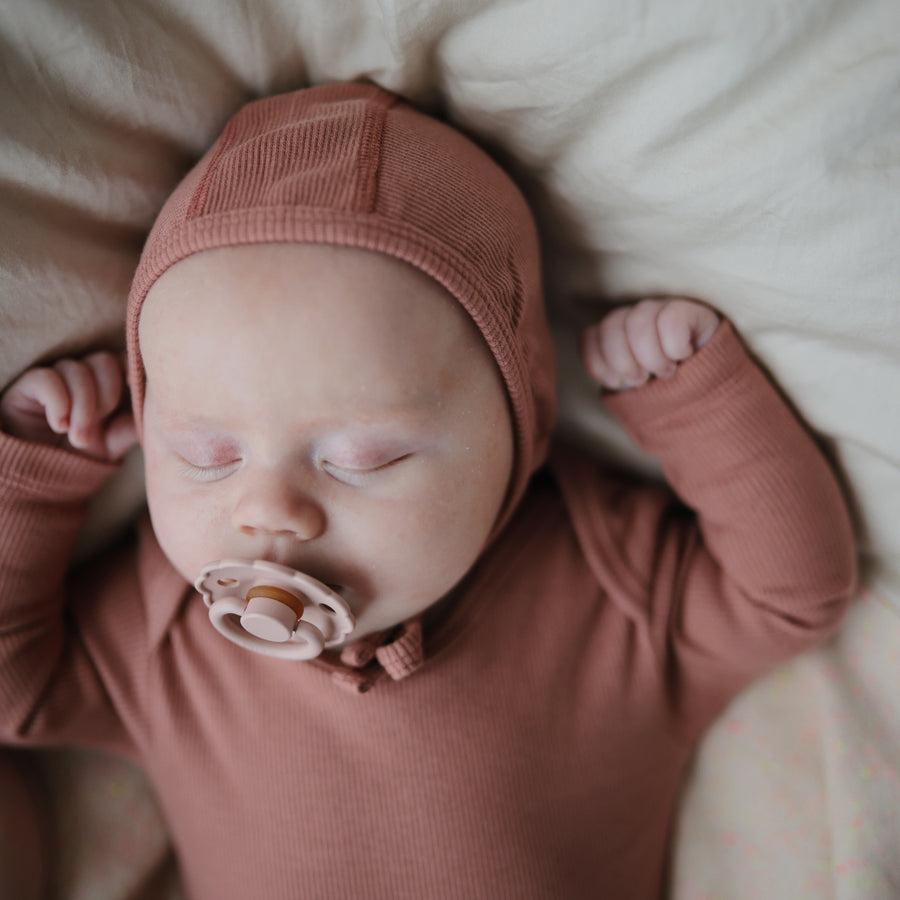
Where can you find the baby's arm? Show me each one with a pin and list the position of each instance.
(60, 430)
(632, 344)
(76, 404)
(758, 561)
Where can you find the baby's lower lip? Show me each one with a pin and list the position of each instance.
(341, 590)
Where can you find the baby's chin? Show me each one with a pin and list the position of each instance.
(369, 622)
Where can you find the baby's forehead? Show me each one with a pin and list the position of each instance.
(320, 281)
(358, 313)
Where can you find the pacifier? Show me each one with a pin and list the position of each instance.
(273, 609)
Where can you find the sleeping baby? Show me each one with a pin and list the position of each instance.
(379, 635)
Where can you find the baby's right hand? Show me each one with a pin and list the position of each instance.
(78, 404)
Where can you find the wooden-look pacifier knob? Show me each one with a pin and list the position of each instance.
(272, 613)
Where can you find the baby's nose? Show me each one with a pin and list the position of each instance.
(273, 507)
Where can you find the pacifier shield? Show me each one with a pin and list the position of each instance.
(272, 609)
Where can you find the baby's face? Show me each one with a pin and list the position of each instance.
(330, 409)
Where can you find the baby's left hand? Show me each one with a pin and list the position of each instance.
(647, 339)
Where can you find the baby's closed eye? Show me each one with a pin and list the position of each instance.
(355, 470)
(207, 472)
(207, 460)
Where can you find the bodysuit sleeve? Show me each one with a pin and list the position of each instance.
(50, 686)
(754, 562)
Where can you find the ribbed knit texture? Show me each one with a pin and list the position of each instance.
(536, 754)
(352, 165)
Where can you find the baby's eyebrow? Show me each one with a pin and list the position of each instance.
(178, 420)
(371, 423)
(188, 425)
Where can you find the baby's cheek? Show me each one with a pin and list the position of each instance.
(181, 526)
(448, 536)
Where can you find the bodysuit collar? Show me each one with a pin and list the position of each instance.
(398, 652)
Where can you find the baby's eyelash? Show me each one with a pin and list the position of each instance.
(351, 475)
(206, 473)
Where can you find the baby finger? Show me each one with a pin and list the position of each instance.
(82, 389)
(622, 370)
(109, 379)
(38, 401)
(644, 340)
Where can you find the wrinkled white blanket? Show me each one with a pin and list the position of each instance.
(744, 153)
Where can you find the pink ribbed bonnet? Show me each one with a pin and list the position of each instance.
(353, 165)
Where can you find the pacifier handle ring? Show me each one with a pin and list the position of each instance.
(304, 643)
